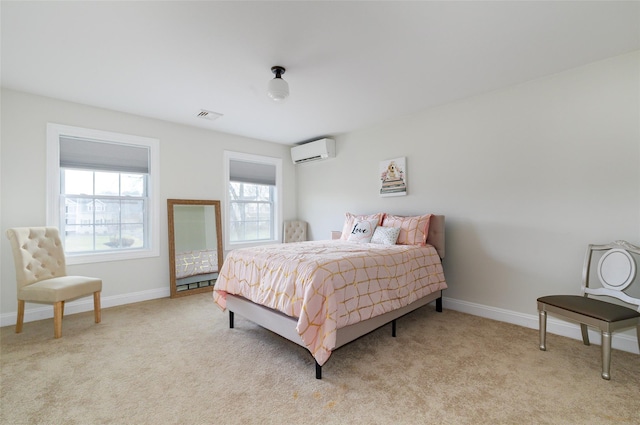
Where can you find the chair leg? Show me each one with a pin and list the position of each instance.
(585, 334)
(96, 306)
(638, 335)
(542, 318)
(20, 317)
(57, 319)
(606, 355)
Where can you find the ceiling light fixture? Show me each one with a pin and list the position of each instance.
(278, 89)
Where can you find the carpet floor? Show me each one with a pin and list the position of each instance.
(177, 362)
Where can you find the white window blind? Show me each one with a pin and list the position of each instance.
(101, 155)
(252, 172)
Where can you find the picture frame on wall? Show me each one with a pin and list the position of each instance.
(393, 177)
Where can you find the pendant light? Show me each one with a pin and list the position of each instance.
(278, 89)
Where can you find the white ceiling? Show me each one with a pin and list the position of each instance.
(349, 64)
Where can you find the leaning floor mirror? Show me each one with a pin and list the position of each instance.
(195, 245)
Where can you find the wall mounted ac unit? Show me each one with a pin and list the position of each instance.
(313, 151)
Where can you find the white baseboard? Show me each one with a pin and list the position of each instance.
(555, 326)
(45, 311)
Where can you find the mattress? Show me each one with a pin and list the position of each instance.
(327, 285)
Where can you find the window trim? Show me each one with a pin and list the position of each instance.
(54, 132)
(277, 219)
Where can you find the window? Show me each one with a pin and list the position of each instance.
(102, 193)
(253, 204)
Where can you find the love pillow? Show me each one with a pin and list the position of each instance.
(362, 231)
(350, 221)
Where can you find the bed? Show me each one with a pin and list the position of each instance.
(325, 294)
(196, 269)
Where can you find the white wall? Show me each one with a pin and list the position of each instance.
(526, 176)
(191, 168)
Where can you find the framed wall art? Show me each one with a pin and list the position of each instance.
(393, 177)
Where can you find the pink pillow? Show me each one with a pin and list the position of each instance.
(350, 221)
(413, 230)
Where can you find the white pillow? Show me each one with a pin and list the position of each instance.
(362, 231)
(350, 221)
(385, 235)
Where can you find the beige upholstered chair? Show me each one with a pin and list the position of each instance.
(616, 271)
(295, 231)
(41, 274)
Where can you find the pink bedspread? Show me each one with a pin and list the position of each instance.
(191, 263)
(330, 284)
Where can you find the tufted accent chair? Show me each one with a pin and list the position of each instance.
(41, 274)
(295, 231)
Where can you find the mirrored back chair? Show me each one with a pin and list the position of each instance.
(606, 304)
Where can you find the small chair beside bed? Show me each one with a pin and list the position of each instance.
(325, 294)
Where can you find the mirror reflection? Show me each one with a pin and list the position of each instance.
(195, 245)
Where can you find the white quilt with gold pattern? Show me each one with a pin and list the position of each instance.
(330, 284)
(190, 263)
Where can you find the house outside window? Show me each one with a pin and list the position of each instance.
(253, 201)
(104, 211)
(103, 193)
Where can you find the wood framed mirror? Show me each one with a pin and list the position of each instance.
(195, 245)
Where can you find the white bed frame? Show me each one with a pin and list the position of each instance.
(285, 326)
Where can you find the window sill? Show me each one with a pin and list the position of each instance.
(110, 256)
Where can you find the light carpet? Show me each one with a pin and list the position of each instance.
(177, 362)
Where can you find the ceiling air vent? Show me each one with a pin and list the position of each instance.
(208, 115)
